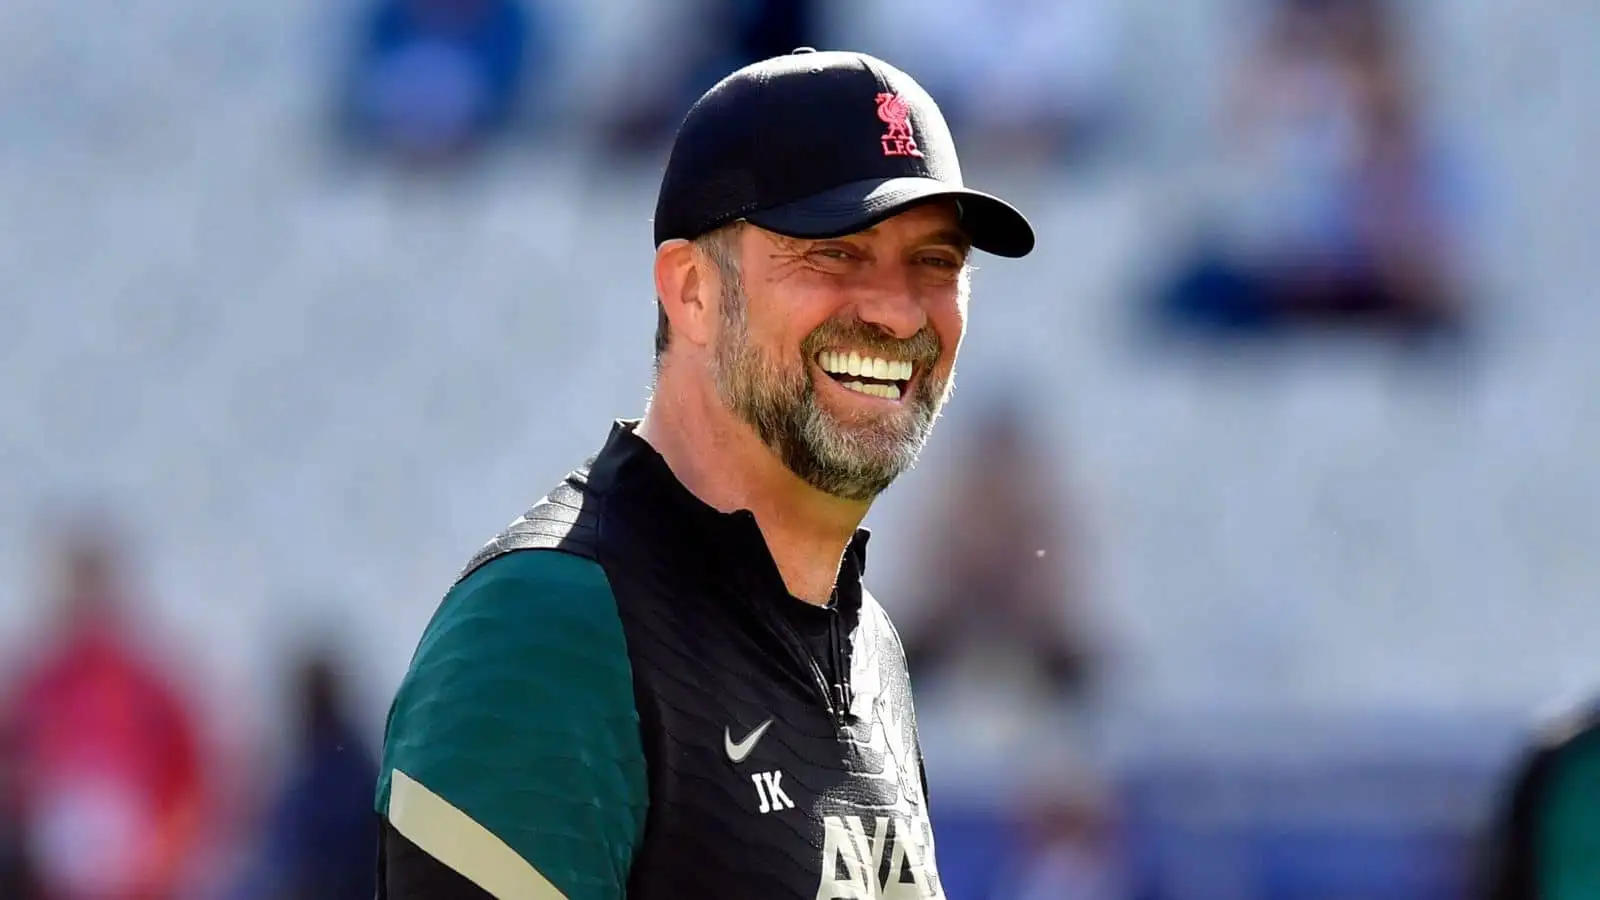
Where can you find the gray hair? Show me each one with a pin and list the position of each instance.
(721, 246)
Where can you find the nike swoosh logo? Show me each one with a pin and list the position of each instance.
(738, 751)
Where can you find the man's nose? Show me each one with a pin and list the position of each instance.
(891, 303)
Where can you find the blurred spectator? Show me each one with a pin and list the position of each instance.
(713, 39)
(434, 81)
(320, 836)
(1002, 588)
(17, 877)
(1031, 81)
(1345, 213)
(112, 791)
(1545, 839)
(1070, 847)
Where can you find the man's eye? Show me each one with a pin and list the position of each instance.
(939, 262)
(834, 253)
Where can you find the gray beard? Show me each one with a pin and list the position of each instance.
(781, 406)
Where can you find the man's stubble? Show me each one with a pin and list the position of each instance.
(780, 402)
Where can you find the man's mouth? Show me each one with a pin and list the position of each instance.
(874, 376)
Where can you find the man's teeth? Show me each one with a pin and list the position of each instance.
(886, 391)
(865, 367)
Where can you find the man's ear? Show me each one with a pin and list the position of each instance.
(688, 295)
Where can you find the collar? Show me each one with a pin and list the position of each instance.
(631, 473)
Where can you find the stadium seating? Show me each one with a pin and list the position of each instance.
(314, 390)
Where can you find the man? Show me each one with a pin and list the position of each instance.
(1546, 833)
(665, 680)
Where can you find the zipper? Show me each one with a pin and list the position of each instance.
(841, 666)
(818, 677)
(837, 712)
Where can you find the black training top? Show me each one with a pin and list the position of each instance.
(619, 697)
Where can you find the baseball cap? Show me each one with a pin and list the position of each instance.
(818, 145)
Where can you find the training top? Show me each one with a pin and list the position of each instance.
(619, 698)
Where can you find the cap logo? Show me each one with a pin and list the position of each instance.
(896, 114)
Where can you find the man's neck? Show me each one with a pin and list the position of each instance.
(721, 461)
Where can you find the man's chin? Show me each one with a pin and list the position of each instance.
(866, 463)
(852, 453)
(881, 436)
(848, 483)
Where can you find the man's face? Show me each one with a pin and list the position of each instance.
(840, 353)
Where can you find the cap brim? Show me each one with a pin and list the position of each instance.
(994, 225)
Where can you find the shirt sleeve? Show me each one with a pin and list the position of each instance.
(512, 754)
(405, 872)
(1569, 830)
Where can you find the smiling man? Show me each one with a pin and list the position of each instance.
(665, 680)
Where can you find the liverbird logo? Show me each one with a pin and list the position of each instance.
(896, 114)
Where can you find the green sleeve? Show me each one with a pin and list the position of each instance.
(1569, 827)
(518, 714)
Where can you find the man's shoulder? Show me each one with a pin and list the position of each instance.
(516, 719)
(566, 519)
(1559, 736)
(513, 598)
(1565, 724)
(517, 621)
(529, 633)
(539, 578)
(875, 616)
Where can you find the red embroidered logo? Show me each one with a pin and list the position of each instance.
(896, 114)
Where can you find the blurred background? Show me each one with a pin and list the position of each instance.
(1284, 440)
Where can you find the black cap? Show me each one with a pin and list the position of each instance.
(819, 145)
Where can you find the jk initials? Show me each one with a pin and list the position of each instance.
(769, 789)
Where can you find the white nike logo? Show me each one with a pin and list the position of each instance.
(737, 752)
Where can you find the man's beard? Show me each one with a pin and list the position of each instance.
(780, 403)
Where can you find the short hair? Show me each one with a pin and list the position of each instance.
(721, 246)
